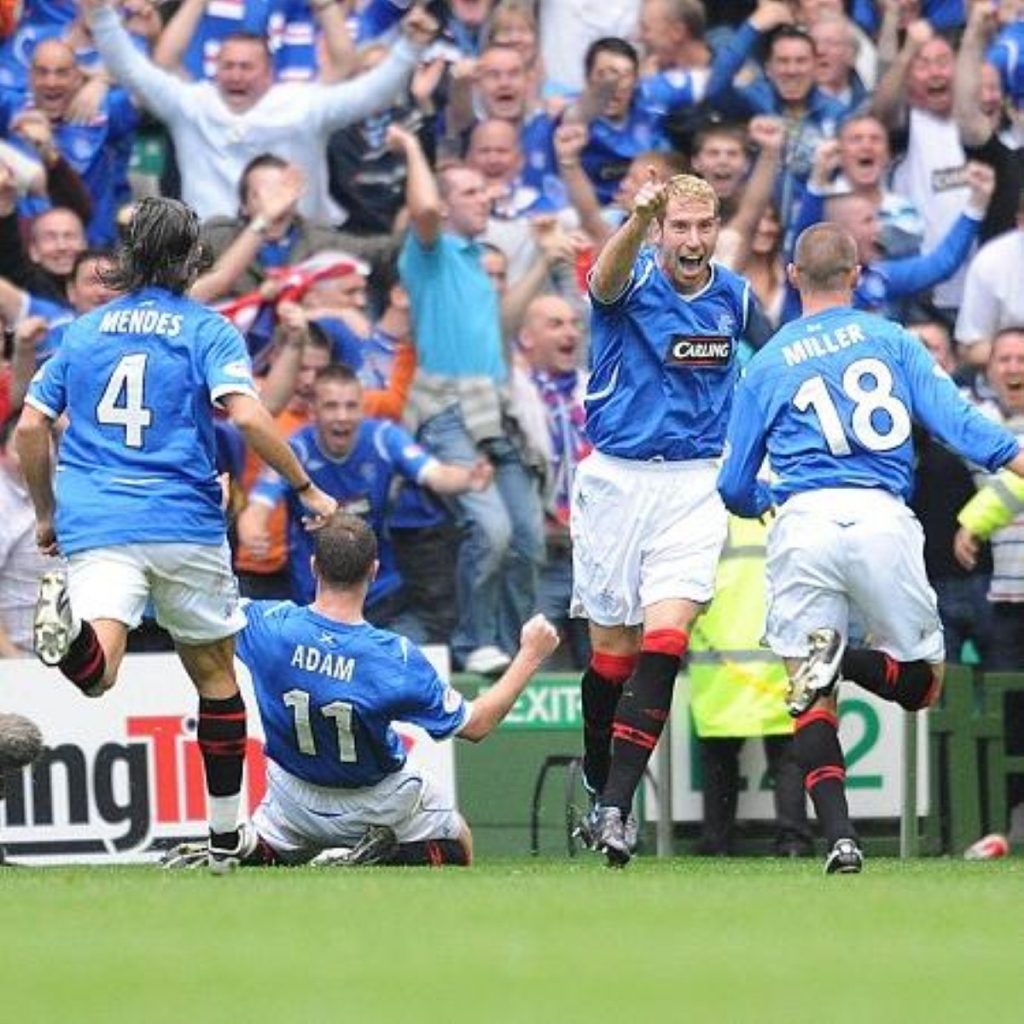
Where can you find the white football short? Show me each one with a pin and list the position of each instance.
(842, 548)
(643, 532)
(298, 819)
(192, 587)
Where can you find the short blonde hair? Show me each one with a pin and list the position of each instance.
(690, 188)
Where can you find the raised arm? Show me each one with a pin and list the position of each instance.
(162, 92)
(908, 276)
(537, 641)
(570, 140)
(769, 134)
(63, 184)
(342, 56)
(557, 248)
(347, 102)
(890, 104)
(422, 198)
(974, 126)
(293, 332)
(888, 42)
(174, 40)
(721, 92)
(14, 263)
(272, 207)
(614, 265)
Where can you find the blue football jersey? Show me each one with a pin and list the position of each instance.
(360, 481)
(99, 151)
(328, 693)
(663, 366)
(138, 378)
(613, 145)
(831, 400)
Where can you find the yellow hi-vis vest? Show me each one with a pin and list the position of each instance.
(737, 687)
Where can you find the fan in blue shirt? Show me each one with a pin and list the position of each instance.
(831, 401)
(360, 462)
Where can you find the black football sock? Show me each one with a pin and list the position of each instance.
(641, 713)
(435, 852)
(817, 751)
(85, 662)
(601, 689)
(221, 736)
(911, 684)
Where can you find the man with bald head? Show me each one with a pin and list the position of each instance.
(55, 239)
(548, 386)
(98, 149)
(831, 401)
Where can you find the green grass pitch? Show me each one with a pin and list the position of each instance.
(517, 940)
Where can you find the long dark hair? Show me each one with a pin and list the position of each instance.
(160, 246)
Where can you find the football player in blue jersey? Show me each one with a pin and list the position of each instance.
(329, 685)
(831, 401)
(646, 521)
(137, 512)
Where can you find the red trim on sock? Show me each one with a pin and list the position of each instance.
(823, 774)
(230, 716)
(223, 748)
(639, 738)
(892, 670)
(666, 641)
(616, 668)
(435, 855)
(817, 715)
(94, 666)
(934, 691)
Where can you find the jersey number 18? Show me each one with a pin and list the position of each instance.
(813, 394)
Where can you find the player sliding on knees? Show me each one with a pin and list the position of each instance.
(137, 512)
(830, 401)
(329, 685)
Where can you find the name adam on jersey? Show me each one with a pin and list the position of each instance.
(141, 321)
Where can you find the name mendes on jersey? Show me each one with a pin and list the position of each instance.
(141, 321)
(824, 344)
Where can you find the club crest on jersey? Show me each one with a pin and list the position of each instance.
(699, 350)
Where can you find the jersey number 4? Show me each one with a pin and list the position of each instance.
(340, 711)
(123, 403)
(813, 394)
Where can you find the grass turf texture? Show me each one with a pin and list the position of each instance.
(515, 940)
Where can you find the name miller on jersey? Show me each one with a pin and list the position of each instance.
(312, 659)
(141, 321)
(822, 344)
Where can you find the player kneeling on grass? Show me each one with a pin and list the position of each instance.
(329, 685)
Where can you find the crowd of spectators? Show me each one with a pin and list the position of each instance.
(401, 204)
